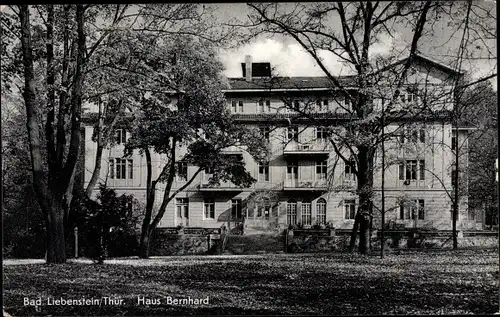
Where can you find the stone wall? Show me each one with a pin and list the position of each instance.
(339, 241)
(181, 244)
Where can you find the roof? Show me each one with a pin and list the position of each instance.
(426, 60)
(289, 83)
(316, 83)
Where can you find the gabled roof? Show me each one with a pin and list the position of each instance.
(425, 60)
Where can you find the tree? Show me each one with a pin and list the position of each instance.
(185, 119)
(361, 26)
(69, 54)
(52, 194)
(113, 73)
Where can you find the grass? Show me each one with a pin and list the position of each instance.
(439, 282)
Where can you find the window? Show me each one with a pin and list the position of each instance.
(130, 167)
(235, 208)
(322, 105)
(408, 97)
(408, 169)
(264, 208)
(265, 131)
(182, 206)
(349, 169)
(266, 108)
(306, 213)
(413, 135)
(236, 106)
(321, 133)
(454, 143)
(319, 106)
(412, 210)
(120, 168)
(209, 209)
(321, 169)
(181, 171)
(264, 172)
(291, 212)
(422, 136)
(292, 170)
(453, 178)
(422, 169)
(471, 215)
(350, 209)
(292, 134)
(121, 136)
(411, 170)
(112, 168)
(321, 211)
(209, 170)
(346, 101)
(296, 105)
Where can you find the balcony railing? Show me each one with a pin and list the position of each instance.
(232, 150)
(310, 148)
(296, 184)
(223, 186)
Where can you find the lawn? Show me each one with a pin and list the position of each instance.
(437, 282)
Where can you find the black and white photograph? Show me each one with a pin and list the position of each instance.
(279, 158)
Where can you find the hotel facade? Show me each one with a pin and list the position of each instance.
(304, 182)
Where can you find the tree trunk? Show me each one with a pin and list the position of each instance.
(144, 244)
(365, 192)
(56, 240)
(96, 172)
(354, 232)
(51, 207)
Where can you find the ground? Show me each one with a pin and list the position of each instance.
(412, 282)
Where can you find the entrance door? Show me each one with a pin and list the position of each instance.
(182, 213)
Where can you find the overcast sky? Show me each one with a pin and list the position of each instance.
(290, 59)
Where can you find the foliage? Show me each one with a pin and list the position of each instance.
(480, 112)
(107, 224)
(184, 118)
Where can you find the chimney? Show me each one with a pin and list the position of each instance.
(248, 68)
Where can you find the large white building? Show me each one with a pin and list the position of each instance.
(308, 181)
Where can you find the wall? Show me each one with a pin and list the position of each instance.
(181, 245)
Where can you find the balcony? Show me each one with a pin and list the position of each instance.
(311, 148)
(232, 150)
(305, 185)
(223, 186)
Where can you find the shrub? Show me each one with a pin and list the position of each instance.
(107, 224)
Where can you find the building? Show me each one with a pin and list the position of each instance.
(304, 181)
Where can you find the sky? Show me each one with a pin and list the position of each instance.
(289, 59)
